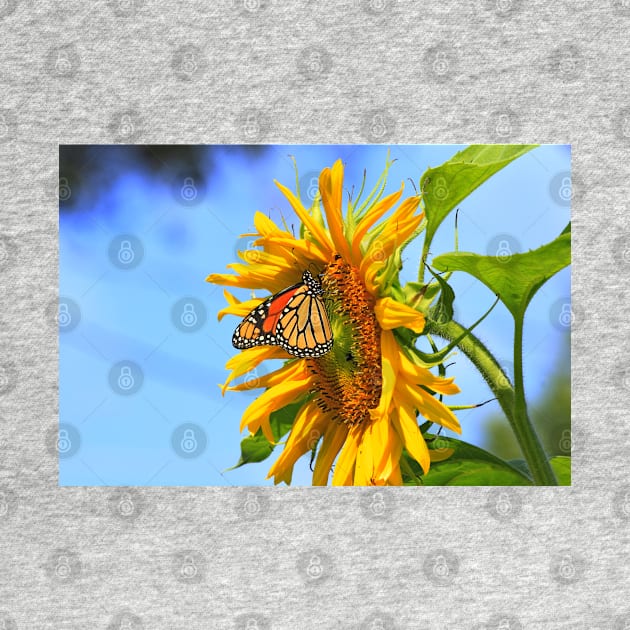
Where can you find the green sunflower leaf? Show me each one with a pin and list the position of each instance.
(442, 312)
(516, 278)
(562, 467)
(257, 448)
(468, 466)
(447, 185)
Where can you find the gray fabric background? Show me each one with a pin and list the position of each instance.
(267, 71)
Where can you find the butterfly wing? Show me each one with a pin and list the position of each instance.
(294, 319)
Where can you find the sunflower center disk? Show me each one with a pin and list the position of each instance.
(348, 379)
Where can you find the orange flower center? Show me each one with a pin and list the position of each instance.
(348, 379)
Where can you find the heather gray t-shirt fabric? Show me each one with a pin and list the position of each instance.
(351, 72)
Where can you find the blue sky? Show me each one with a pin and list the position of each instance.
(142, 352)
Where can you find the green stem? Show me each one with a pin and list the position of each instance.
(515, 412)
(523, 428)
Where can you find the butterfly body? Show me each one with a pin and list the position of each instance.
(294, 319)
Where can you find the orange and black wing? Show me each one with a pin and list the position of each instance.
(294, 319)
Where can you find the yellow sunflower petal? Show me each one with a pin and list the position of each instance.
(368, 221)
(266, 227)
(392, 314)
(364, 465)
(331, 189)
(308, 426)
(319, 233)
(238, 308)
(333, 440)
(406, 425)
(256, 416)
(249, 359)
(344, 468)
(292, 370)
(419, 375)
(440, 455)
(431, 408)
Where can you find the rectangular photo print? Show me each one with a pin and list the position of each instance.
(314, 315)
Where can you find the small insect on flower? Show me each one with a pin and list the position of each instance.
(294, 319)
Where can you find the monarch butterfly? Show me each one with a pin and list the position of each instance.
(294, 319)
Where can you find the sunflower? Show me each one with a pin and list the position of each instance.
(360, 402)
